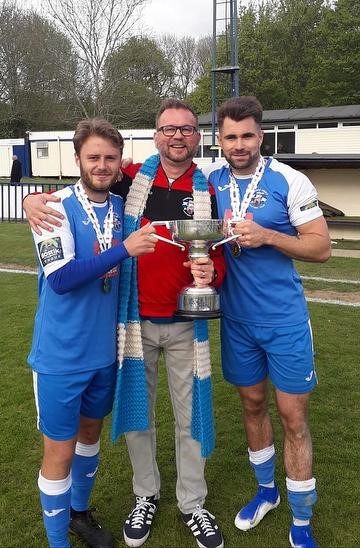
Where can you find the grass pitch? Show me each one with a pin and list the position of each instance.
(334, 418)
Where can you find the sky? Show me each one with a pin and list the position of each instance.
(180, 17)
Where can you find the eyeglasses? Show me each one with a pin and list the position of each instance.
(170, 131)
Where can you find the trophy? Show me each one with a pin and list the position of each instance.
(198, 235)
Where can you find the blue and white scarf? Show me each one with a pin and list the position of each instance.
(131, 408)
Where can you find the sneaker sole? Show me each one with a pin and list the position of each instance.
(245, 524)
(202, 545)
(134, 542)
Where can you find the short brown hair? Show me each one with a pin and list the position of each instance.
(99, 127)
(238, 108)
(172, 102)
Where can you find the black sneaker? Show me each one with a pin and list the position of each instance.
(138, 523)
(203, 526)
(83, 525)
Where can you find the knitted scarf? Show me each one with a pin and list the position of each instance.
(131, 408)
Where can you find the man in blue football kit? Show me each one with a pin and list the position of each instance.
(265, 329)
(73, 354)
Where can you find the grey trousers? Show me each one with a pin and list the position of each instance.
(176, 342)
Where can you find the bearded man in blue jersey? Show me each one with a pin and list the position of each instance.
(265, 329)
(73, 354)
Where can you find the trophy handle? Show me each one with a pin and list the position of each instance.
(233, 237)
(166, 240)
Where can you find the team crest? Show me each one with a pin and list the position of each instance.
(259, 199)
(117, 223)
(188, 206)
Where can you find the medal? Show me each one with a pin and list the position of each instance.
(239, 207)
(235, 250)
(106, 286)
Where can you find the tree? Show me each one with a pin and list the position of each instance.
(36, 66)
(96, 28)
(188, 58)
(137, 77)
(336, 65)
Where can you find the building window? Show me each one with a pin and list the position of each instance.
(327, 124)
(351, 124)
(42, 149)
(286, 142)
(307, 125)
(268, 144)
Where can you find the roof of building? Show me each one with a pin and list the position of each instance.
(346, 112)
(317, 161)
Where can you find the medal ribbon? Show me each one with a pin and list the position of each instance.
(104, 236)
(239, 207)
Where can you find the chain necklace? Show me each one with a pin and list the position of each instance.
(238, 206)
(104, 235)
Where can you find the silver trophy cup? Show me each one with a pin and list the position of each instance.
(198, 235)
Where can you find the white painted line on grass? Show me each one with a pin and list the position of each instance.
(331, 301)
(330, 280)
(15, 271)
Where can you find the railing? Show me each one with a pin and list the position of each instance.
(12, 195)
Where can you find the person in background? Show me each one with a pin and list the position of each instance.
(265, 329)
(16, 170)
(73, 354)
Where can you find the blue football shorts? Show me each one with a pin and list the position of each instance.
(62, 399)
(251, 353)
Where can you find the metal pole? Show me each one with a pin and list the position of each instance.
(213, 84)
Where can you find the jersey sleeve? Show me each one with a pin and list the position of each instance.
(303, 205)
(55, 249)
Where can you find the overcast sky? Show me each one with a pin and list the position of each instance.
(180, 17)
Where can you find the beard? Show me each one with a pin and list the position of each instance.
(88, 180)
(247, 163)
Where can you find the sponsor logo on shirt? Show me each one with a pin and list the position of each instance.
(188, 206)
(50, 251)
(310, 205)
(222, 188)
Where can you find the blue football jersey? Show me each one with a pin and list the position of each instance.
(75, 331)
(262, 285)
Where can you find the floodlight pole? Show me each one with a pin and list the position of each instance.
(232, 68)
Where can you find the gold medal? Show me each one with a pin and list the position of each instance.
(106, 285)
(236, 250)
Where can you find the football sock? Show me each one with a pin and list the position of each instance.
(83, 471)
(263, 464)
(55, 502)
(301, 496)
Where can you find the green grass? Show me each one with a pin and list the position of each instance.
(334, 416)
(346, 244)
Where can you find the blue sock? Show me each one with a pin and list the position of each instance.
(83, 471)
(263, 464)
(301, 496)
(55, 502)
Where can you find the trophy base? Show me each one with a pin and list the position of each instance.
(198, 303)
(200, 315)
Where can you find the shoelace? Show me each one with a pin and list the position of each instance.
(138, 514)
(202, 516)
